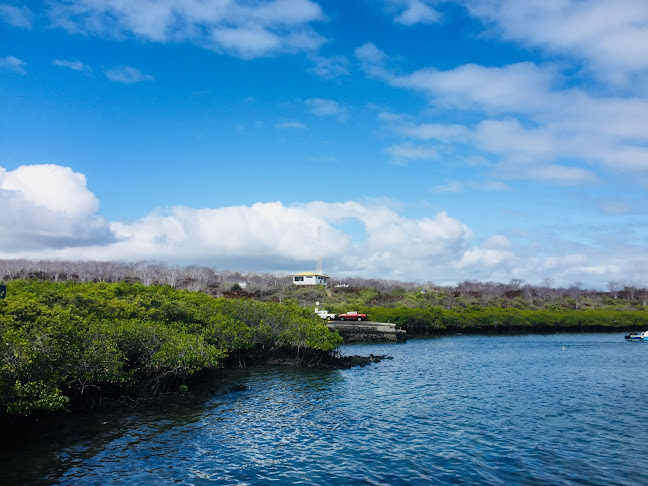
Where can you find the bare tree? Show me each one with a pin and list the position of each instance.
(612, 288)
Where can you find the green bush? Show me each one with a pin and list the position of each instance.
(62, 342)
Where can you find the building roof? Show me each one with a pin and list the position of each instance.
(310, 274)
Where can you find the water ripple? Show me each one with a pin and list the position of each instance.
(461, 410)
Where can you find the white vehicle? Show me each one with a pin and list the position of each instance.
(324, 314)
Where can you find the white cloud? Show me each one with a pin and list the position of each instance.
(452, 186)
(55, 210)
(73, 65)
(610, 36)
(373, 61)
(520, 87)
(495, 252)
(403, 153)
(322, 107)
(558, 174)
(53, 187)
(16, 16)
(557, 262)
(14, 64)
(48, 213)
(411, 12)
(247, 42)
(127, 75)
(46, 206)
(443, 132)
(524, 115)
(329, 67)
(244, 29)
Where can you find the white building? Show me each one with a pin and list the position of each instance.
(310, 278)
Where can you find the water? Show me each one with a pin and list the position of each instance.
(557, 409)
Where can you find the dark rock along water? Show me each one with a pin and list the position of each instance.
(533, 409)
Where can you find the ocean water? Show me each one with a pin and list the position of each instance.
(533, 409)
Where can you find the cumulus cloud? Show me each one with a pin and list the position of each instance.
(272, 236)
(495, 252)
(241, 28)
(127, 75)
(49, 213)
(16, 16)
(47, 206)
(14, 64)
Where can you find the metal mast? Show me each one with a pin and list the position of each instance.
(319, 256)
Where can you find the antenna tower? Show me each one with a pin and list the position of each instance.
(319, 256)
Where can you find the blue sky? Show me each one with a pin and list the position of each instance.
(421, 139)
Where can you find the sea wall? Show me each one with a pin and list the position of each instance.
(368, 331)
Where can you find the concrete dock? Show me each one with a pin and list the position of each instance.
(367, 331)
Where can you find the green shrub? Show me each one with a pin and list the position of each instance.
(64, 341)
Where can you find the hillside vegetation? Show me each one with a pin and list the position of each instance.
(517, 294)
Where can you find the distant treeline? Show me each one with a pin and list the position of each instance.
(508, 320)
(71, 345)
(345, 291)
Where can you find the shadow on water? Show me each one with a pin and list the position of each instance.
(45, 451)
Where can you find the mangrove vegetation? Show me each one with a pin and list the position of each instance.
(70, 345)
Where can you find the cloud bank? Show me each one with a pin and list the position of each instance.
(47, 212)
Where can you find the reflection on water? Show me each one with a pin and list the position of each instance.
(557, 409)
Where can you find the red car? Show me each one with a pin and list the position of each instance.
(352, 316)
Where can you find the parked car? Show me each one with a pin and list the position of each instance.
(352, 316)
(324, 314)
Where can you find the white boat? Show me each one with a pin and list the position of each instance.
(638, 336)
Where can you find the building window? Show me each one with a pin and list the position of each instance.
(298, 279)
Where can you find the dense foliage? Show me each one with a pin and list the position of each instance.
(437, 320)
(74, 344)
